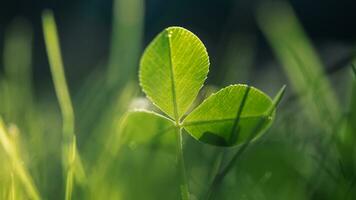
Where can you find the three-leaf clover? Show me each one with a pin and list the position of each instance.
(174, 68)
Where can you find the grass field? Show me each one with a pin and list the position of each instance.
(107, 140)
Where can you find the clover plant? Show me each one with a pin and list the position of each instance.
(173, 70)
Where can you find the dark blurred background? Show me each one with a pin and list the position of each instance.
(85, 28)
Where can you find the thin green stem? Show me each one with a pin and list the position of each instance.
(183, 185)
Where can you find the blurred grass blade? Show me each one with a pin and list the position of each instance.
(352, 106)
(300, 62)
(16, 163)
(277, 99)
(102, 94)
(238, 58)
(18, 55)
(348, 137)
(12, 192)
(17, 102)
(57, 70)
(71, 168)
(126, 40)
(70, 155)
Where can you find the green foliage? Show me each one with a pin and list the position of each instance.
(139, 155)
(334, 127)
(147, 156)
(174, 68)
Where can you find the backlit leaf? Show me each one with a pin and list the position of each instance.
(229, 116)
(144, 127)
(173, 68)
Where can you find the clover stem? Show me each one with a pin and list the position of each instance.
(183, 185)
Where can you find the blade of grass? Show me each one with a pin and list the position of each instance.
(70, 155)
(234, 129)
(17, 70)
(238, 53)
(17, 164)
(348, 138)
(70, 170)
(351, 117)
(17, 97)
(126, 40)
(300, 63)
(58, 75)
(12, 188)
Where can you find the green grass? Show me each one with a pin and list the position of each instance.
(198, 141)
(14, 160)
(71, 159)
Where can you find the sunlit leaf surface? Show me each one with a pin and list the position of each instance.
(217, 120)
(173, 69)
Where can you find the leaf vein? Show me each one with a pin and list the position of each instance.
(201, 122)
